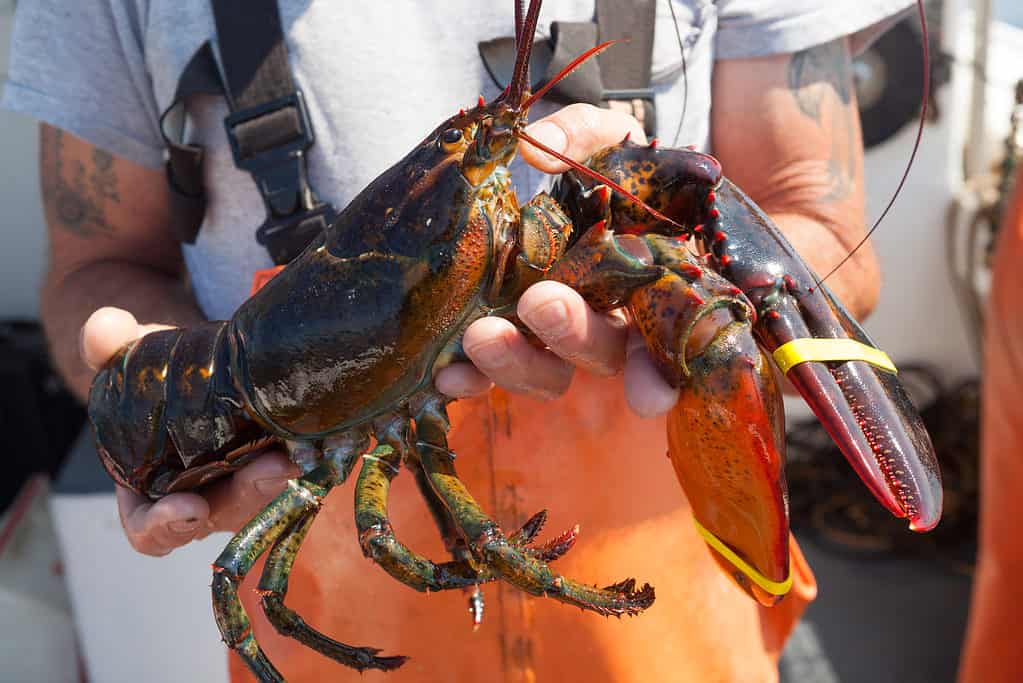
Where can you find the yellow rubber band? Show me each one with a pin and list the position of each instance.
(799, 351)
(772, 587)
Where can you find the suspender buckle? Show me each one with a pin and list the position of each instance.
(270, 141)
(286, 237)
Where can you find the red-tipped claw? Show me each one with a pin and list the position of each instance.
(865, 409)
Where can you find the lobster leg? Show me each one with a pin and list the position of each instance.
(273, 586)
(301, 498)
(486, 539)
(379, 542)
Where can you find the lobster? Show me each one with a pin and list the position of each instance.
(340, 349)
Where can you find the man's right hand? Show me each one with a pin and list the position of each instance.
(157, 528)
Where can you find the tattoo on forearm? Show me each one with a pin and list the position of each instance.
(77, 194)
(818, 70)
(820, 79)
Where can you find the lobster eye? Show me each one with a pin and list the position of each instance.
(450, 137)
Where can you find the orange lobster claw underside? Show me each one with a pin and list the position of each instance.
(727, 443)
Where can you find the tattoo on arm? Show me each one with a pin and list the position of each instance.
(817, 75)
(76, 192)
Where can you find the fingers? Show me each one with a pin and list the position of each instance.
(503, 354)
(157, 528)
(575, 335)
(107, 330)
(160, 527)
(462, 380)
(560, 317)
(235, 501)
(578, 131)
(645, 390)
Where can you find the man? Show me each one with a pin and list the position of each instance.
(377, 77)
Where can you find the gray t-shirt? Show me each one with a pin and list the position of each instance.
(377, 76)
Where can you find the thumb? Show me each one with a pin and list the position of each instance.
(106, 331)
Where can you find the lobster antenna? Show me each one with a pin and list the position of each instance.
(596, 176)
(518, 22)
(524, 44)
(685, 73)
(569, 68)
(916, 144)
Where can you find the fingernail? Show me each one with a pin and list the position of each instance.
(270, 485)
(549, 134)
(184, 526)
(492, 354)
(550, 320)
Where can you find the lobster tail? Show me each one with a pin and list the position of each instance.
(164, 405)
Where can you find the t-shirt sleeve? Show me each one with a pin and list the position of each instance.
(80, 66)
(758, 28)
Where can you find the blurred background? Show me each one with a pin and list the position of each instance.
(892, 605)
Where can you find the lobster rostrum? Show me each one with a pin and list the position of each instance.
(341, 348)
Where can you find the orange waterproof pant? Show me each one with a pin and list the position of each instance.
(588, 460)
(994, 645)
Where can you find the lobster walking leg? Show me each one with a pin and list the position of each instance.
(380, 544)
(300, 500)
(486, 539)
(273, 585)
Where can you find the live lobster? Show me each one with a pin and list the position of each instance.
(342, 345)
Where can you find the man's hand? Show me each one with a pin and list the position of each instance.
(156, 528)
(575, 335)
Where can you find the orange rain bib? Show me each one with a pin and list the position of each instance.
(588, 460)
(994, 648)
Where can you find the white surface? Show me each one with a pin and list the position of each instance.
(38, 635)
(139, 618)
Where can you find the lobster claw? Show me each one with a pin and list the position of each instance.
(726, 442)
(847, 382)
(726, 433)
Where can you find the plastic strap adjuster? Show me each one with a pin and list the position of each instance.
(797, 351)
(772, 587)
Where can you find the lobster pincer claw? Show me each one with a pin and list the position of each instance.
(849, 384)
(726, 438)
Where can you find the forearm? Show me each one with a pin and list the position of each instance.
(786, 130)
(68, 300)
(856, 283)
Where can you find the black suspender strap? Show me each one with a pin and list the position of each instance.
(625, 68)
(618, 78)
(268, 129)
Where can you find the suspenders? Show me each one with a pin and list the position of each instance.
(269, 128)
(619, 78)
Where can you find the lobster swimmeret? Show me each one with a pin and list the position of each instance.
(342, 346)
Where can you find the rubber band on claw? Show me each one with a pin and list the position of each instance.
(772, 587)
(797, 351)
